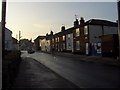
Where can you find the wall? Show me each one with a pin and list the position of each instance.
(94, 32)
(48, 49)
(43, 44)
(110, 30)
(8, 39)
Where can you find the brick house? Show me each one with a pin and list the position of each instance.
(78, 37)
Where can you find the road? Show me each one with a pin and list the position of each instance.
(33, 75)
(82, 74)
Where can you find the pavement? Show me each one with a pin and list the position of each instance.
(33, 75)
(96, 59)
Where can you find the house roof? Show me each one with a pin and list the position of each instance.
(58, 34)
(100, 22)
(5, 28)
(67, 31)
(48, 36)
(70, 30)
(89, 22)
(39, 37)
(15, 41)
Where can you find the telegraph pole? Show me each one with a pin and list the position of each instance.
(119, 25)
(3, 26)
(19, 38)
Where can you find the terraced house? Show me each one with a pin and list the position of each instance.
(82, 38)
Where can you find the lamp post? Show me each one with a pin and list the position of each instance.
(3, 26)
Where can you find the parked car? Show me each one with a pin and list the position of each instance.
(30, 50)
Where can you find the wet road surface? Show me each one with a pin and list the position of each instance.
(83, 74)
(34, 75)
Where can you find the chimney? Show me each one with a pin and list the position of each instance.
(51, 32)
(82, 21)
(62, 28)
(47, 34)
(76, 23)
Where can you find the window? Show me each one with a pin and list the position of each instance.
(58, 39)
(77, 45)
(53, 40)
(86, 37)
(68, 36)
(69, 45)
(77, 32)
(86, 30)
(63, 37)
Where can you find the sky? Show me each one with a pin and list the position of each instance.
(38, 18)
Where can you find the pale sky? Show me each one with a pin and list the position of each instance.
(38, 18)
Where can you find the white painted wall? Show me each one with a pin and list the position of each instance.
(69, 41)
(43, 45)
(95, 31)
(110, 30)
(48, 45)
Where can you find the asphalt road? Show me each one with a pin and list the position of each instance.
(83, 74)
(35, 76)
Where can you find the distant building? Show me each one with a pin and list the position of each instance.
(25, 44)
(46, 43)
(37, 42)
